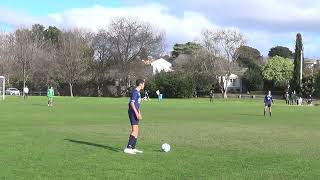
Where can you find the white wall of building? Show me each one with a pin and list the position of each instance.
(161, 65)
(234, 82)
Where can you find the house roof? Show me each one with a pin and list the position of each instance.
(160, 62)
(159, 65)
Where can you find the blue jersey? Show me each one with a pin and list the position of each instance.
(268, 99)
(136, 99)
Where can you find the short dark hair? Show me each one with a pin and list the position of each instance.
(139, 81)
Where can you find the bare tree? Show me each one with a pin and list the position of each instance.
(46, 70)
(73, 57)
(103, 60)
(128, 37)
(24, 51)
(6, 54)
(219, 50)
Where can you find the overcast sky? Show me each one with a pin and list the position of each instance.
(265, 23)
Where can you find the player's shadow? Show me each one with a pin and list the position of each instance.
(95, 145)
(40, 105)
(255, 115)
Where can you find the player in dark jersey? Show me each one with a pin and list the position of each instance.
(268, 101)
(211, 94)
(134, 116)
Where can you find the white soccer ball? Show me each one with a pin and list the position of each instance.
(165, 147)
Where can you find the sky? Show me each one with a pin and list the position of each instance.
(265, 23)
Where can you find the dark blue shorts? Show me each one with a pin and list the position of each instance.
(269, 105)
(133, 118)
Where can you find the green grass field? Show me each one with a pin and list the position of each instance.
(83, 138)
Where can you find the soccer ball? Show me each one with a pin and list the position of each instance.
(165, 147)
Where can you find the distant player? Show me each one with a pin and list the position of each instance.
(268, 101)
(211, 94)
(158, 94)
(50, 95)
(134, 116)
(146, 95)
(287, 97)
(294, 98)
(309, 100)
(26, 92)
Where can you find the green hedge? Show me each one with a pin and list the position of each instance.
(171, 85)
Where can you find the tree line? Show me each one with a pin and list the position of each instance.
(106, 62)
(77, 60)
(205, 63)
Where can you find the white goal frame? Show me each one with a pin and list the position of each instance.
(3, 95)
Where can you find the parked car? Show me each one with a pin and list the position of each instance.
(13, 92)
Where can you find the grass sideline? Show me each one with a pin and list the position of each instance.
(83, 138)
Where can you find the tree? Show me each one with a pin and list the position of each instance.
(37, 35)
(280, 51)
(173, 85)
(308, 86)
(192, 67)
(73, 57)
(278, 70)
(102, 60)
(46, 67)
(188, 48)
(219, 51)
(24, 52)
(52, 34)
(253, 79)
(6, 54)
(298, 55)
(248, 57)
(317, 84)
(128, 37)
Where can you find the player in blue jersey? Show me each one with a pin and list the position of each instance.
(134, 117)
(268, 101)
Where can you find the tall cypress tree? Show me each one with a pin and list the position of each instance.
(295, 82)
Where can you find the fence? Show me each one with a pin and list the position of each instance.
(246, 96)
(38, 93)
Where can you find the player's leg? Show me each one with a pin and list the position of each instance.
(133, 135)
(129, 149)
(265, 109)
(270, 110)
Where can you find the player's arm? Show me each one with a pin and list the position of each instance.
(133, 100)
(134, 108)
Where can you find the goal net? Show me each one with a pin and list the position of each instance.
(2, 87)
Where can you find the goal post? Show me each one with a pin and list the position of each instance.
(2, 87)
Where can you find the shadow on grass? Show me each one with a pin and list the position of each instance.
(40, 105)
(95, 145)
(256, 115)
